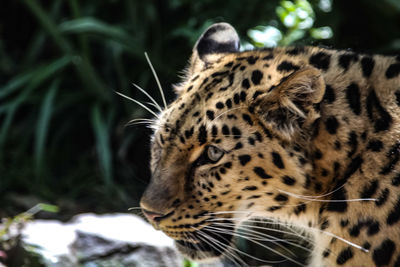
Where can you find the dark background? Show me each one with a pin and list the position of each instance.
(63, 138)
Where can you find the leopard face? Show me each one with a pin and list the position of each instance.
(305, 136)
(218, 155)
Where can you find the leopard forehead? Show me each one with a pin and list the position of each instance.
(225, 89)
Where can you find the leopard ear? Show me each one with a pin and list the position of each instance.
(293, 105)
(218, 39)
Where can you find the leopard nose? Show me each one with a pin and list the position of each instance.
(152, 216)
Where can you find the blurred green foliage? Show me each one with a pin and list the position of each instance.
(62, 127)
(12, 252)
(298, 18)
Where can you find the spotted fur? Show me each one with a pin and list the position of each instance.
(305, 133)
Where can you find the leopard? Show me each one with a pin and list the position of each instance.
(300, 135)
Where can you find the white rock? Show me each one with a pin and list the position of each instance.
(55, 238)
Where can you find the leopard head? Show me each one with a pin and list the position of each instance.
(231, 146)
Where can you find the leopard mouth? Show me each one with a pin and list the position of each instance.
(206, 244)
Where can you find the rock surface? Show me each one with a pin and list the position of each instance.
(101, 240)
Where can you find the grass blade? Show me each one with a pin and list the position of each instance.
(17, 82)
(5, 127)
(34, 77)
(43, 126)
(83, 40)
(88, 25)
(36, 46)
(41, 76)
(100, 130)
(48, 25)
(84, 69)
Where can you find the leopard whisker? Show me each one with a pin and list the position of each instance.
(137, 211)
(341, 239)
(224, 251)
(189, 236)
(157, 80)
(253, 237)
(287, 226)
(332, 235)
(251, 256)
(228, 212)
(149, 96)
(224, 112)
(153, 105)
(260, 244)
(325, 194)
(326, 200)
(254, 232)
(140, 121)
(139, 103)
(134, 208)
(290, 231)
(234, 251)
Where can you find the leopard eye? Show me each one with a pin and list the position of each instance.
(214, 154)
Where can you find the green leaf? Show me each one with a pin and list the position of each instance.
(7, 63)
(43, 125)
(5, 126)
(100, 29)
(37, 208)
(306, 6)
(288, 5)
(36, 80)
(102, 144)
(48, 207)
(36, 45)
(16, 83)
(282, 13)
(394, 3)
(321, 33)
(189, 263)
(83, 40)
(48, 24)
(83, 67)
(292, 37)
(266, 36)
(35, 76)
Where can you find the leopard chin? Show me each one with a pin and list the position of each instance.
(207, 244)
(191, 251)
